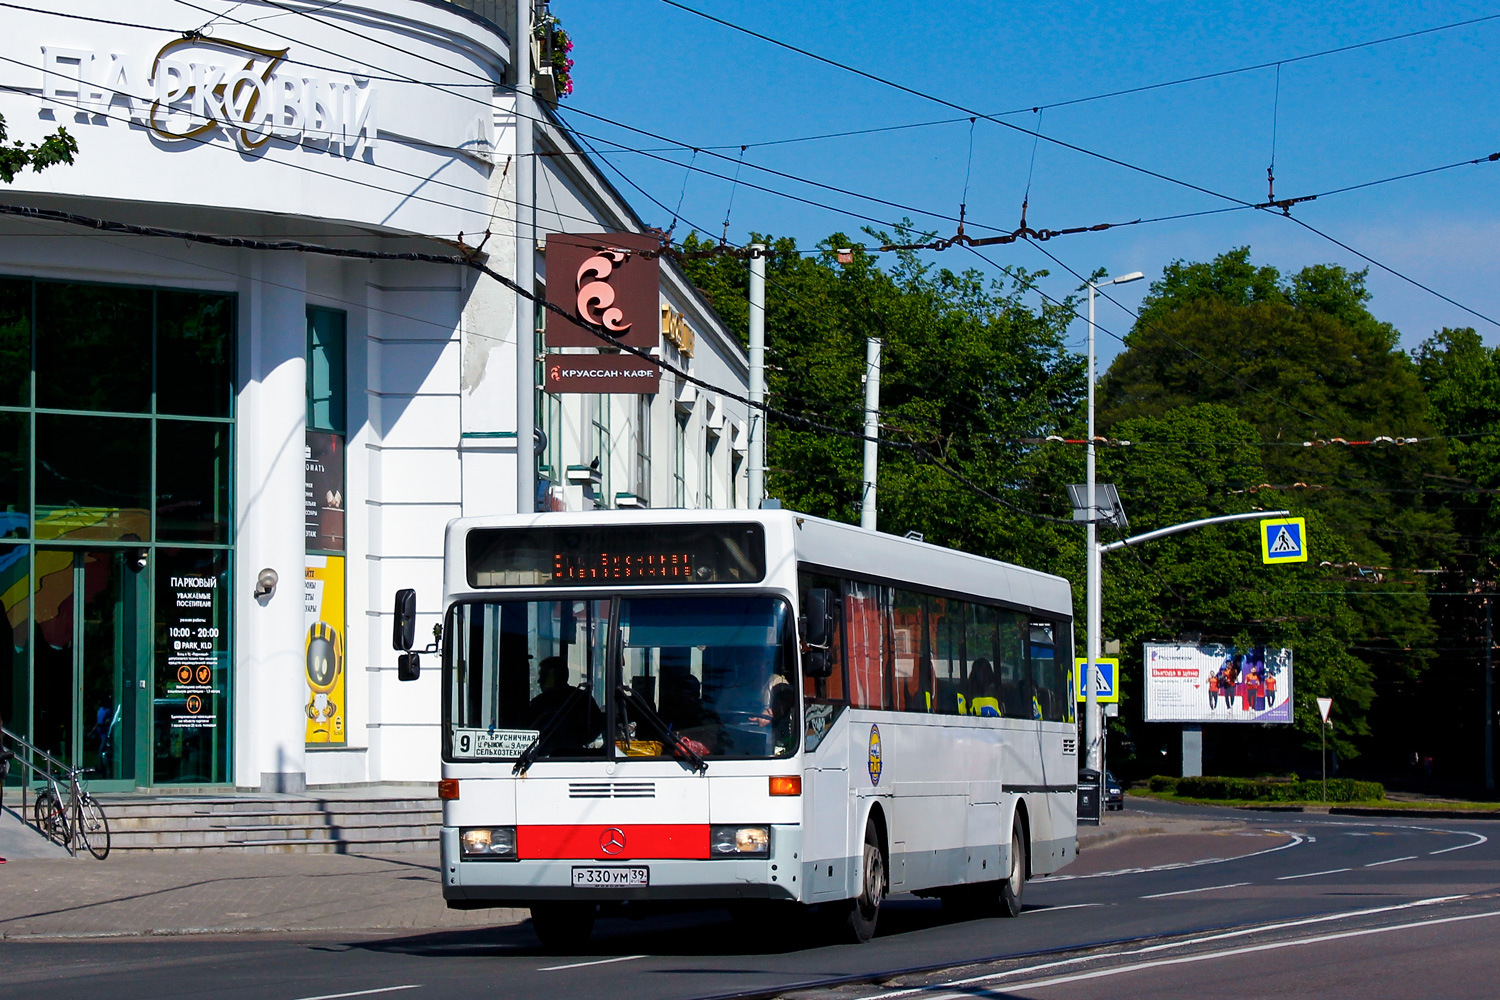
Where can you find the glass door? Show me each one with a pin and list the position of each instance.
(90, 607)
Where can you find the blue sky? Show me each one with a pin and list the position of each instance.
(1342, 119)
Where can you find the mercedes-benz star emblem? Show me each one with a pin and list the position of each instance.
(612, 841)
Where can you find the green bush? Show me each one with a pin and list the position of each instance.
(1162, 783)
(1263, 790)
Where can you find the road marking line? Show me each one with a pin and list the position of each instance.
(1184, 892)
(1225, 953)
(601, 961)
(1296, 839)
(1150, 949)
(1331, 871)
(1467, 833)
(1070, 906)
(364, 993)
(1377, 864)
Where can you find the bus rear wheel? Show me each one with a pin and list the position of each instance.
(563, 927)
(1015, 882)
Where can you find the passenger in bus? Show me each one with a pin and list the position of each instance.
(983, 690)
(583, 721)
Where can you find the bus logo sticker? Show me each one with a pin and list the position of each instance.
(875, 764)
(612, 841)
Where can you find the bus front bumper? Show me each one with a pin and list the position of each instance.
(490, 883)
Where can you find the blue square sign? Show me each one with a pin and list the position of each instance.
(1283, 540)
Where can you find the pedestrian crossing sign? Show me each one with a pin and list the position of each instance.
(1107, 669)
(1283, 540)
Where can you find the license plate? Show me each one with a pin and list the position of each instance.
(611, 876)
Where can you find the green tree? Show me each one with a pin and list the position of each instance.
(59, 147)
(1297, 359)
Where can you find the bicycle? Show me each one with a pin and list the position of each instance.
(74, 818)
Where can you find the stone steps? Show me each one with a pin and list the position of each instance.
(282, 824)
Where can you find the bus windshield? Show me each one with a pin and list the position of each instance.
(716, 672)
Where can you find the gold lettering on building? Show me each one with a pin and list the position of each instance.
(674, 326)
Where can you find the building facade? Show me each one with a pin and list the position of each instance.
(220, 461)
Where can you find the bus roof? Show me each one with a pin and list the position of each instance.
(830, 545)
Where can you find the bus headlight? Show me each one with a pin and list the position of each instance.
(488, 842)
(730, 841)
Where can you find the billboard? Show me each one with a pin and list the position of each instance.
(1218, 683)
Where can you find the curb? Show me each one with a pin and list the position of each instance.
(1415, 813)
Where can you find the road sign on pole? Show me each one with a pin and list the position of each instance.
(1283, 540)
(1107, 671)
(1325, 705)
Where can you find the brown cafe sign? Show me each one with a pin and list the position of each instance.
(605, 281)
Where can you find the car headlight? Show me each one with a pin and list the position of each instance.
(488, 842)
(735, 841)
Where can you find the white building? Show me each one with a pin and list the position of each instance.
(178, 418)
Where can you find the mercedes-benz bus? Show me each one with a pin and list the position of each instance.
(731, 707)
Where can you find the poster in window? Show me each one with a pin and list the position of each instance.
(323, 646)
(323, 492)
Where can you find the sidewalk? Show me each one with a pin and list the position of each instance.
(169, 894)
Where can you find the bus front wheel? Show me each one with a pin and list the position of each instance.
(563, 926)
(861, 913)
(1015, 882)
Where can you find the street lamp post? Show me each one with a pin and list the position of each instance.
(1091, 705)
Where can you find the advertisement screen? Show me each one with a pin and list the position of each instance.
(1218, 683)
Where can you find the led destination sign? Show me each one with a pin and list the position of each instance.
(639, 554)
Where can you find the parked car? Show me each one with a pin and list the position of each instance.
(1114, 792)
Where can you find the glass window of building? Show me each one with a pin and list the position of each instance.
(602, 446)
(326, 333)
(679, 458)
(643, 449)
(116, 458)
(710, 455)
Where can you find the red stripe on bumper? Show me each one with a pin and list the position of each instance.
(613, 843)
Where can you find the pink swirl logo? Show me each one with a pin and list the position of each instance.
(596, 299)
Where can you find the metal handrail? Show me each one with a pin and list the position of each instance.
(47, 775)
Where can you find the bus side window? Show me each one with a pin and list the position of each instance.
(945, 624)
(864, 633)
(913, 671)
(1047, 672)
(1012, 666)
(983, 686)
(830, 688)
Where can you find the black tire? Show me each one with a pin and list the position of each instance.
(93, 827)
(563, 927)
(51, 821)
(858, 916)
(1015, 882)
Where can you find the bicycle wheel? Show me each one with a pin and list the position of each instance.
(93, 827)
(51, 821)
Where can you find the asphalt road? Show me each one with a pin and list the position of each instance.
(1288, 904)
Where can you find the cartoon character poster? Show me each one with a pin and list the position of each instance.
(323, 600)
(1218, 683)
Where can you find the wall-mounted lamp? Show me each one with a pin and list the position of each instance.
(265, 584)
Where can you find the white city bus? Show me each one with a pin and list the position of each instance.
(743, 706)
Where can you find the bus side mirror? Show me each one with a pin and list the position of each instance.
(817, 632)
(408, 667)
(404, 632)
(819, 617)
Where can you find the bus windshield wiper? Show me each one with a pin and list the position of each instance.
(677, 740)
(534, 749)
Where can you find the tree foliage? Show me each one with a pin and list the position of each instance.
(59, 147)
(1303, 366)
